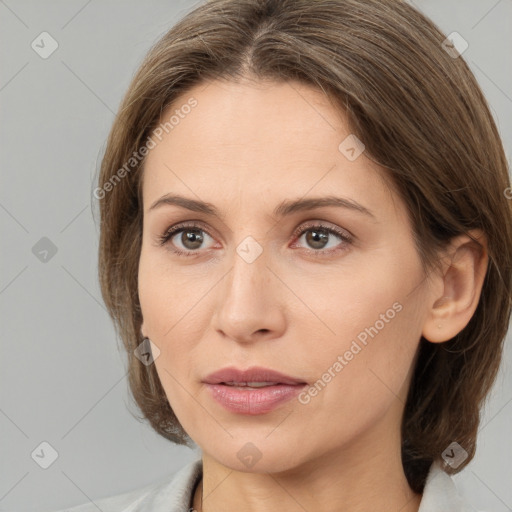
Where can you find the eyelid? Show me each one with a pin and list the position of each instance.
(341, 232)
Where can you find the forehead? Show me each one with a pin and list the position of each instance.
(231, 141)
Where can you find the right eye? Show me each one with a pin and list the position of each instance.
(192, 236)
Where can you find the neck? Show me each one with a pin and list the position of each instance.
(374, 480)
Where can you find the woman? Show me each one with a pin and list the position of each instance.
(305, 247)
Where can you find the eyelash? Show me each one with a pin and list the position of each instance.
(168, 234)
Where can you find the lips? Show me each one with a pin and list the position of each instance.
(252, 391)
(255, 375)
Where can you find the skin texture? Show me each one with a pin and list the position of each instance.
(245, 148)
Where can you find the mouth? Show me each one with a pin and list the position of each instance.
(255, 384)
(251, 377)
(252, 391)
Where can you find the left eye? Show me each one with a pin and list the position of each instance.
(317, 236)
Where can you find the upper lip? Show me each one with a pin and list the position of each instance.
(254, 374)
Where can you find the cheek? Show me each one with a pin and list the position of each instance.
(170, 321)
(170, 297)
(377, 341)
(366, 361)
(357, 385)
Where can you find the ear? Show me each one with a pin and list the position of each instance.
(464, 270)
(142, 329)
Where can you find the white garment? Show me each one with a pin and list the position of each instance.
(439, 495)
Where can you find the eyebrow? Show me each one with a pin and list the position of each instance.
(286, 207)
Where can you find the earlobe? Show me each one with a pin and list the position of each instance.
(461, 282)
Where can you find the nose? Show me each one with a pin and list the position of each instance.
(249, 304)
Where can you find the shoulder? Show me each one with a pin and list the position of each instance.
(441, 494)
(166, 496)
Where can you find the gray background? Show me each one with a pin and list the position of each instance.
(62, 377)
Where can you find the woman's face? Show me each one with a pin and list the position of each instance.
(263, 283)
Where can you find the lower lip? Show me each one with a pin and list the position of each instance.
(248, 400)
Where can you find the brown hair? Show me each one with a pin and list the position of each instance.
(421, 115)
